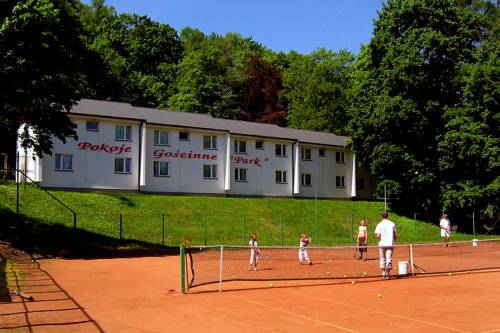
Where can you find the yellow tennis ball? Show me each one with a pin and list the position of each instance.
(353, 282)
(234, 276)
(379, 295)
(271, 285)
(449, 274)
(345, 275)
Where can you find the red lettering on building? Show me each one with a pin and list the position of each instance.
(255, 161)
(159, 153)
(104, 148)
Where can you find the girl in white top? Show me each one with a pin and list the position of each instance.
(445, 225)
(362, 240)
(303, 256)
(254, 252)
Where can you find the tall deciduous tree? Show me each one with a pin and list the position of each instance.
(406, 77)
(261, 93)
(317, 88)
(211, 73)
(41, 69)
(138, 55)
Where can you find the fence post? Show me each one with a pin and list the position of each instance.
(352, 229)
(244, 236)
(204, 230)
(473, 225)
(17, 185)
(414, 227)
(163, 229)
(121, 226)
(317, 229)
(183, 269)
(281, 229)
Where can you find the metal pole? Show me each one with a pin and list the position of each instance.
(220, 267)
(414, 227)
(317, 230)
(204, 230)
(183, 270)
(17, 185)
(121, 226)
(385, 197)
(163, 230)
(352, 229)
(474, 225)
(281, 229)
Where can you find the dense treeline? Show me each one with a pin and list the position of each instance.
(420, 101)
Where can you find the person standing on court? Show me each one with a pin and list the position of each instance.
(445, 225)
(386, 234)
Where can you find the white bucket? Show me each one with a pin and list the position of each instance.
(403, 268)
(474, 242)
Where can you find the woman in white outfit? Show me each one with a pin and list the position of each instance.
(303, 256)
(254, 252)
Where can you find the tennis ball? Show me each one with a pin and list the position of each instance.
(271, 285)
(234, 276)
(379, 295)
(327, 273)
(353, 282)
(449, 274)
(345, 275)
(364, 274)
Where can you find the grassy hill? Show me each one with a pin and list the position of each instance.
(173, 219)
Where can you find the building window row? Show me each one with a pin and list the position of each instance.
(64, 162)
(123, 165)
(240, 175)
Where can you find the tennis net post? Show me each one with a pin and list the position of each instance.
(183, 269)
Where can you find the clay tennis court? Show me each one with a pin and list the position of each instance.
(142, 295)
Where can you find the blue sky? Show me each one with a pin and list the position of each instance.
(281, 25)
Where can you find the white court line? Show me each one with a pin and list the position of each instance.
(387, 314)
(298, 315)
(495, 330)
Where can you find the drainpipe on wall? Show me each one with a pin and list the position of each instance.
(296, 173)
(141, 181)
(227, 174)
(353, 177)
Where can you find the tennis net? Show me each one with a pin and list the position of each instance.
(217, 264)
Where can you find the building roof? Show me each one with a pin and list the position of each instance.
(201, 121)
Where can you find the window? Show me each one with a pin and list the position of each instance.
(322, 152)
(210, 171)
(306, 179)
(240, 175)
(64, 162)
(92, 126)
(360, 184)
(339, 181)
(210, 142)
(339, 157)
(240, 147)
(183, 136)
(305, 154)
(160, 138)
(123, 165)
(161, 169)
(123, 132)
(259, 144)
(280, 177)
(281, 150)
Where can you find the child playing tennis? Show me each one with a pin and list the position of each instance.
(254, 252)
(362, 240)
(303, 256)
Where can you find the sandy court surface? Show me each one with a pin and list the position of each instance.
(141, 295)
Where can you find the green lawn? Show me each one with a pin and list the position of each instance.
(212, 220)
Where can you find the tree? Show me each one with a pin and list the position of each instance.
(317, 88)
(470, 147)
(138, 55)
(211, 73)
(42, 72)
(261, 93)
(405, 79)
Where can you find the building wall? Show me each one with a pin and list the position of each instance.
(92, 167)
(94, 154)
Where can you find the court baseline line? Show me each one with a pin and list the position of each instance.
(327, 323)
(386, 313)
(495, 330)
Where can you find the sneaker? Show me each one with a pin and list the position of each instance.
(255, 269)
(248, 269)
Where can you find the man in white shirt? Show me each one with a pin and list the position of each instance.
(386, 234)
(444, 224)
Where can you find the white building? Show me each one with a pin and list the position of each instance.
(121, 147)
